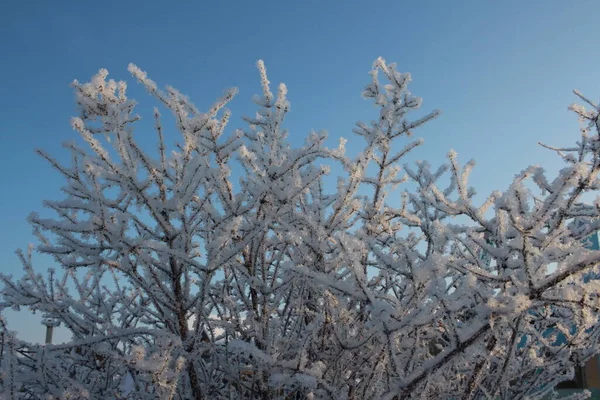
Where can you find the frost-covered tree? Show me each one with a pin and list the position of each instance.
(224, 266)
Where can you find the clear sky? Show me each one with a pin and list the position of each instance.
(501, 72)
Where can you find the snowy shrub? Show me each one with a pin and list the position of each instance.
(227, 266)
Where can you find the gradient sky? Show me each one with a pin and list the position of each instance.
(501, 72)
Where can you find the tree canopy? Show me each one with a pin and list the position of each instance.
(179, 282)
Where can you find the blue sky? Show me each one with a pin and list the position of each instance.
(501, 72)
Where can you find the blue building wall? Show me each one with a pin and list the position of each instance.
(592, 242)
